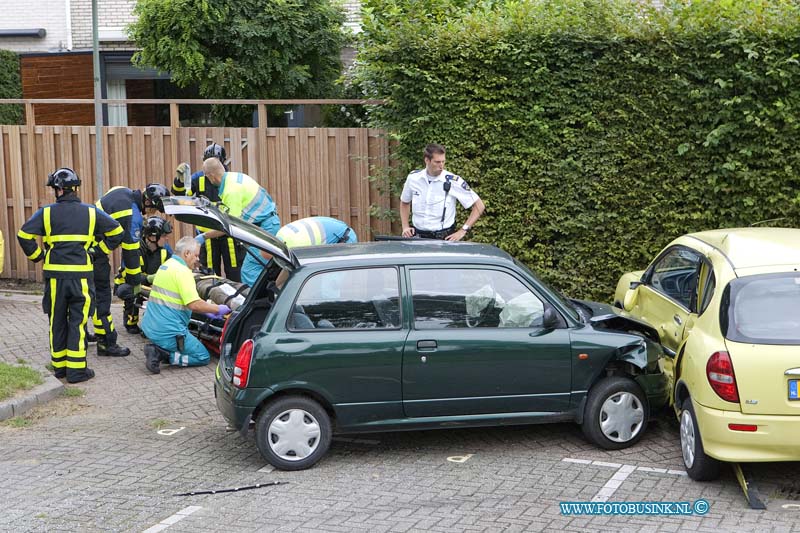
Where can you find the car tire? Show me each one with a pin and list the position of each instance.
(616, 413)
(699, 466)
(293, 433)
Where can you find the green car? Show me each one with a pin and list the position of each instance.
(416, 334)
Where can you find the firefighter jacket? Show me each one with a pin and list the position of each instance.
(201, 186)
(149, 260)
(68, 229)
(125, 206)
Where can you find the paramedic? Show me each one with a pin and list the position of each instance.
(246, 199)
(173, 298)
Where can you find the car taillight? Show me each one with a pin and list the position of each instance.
(241, 370)
(719, 371)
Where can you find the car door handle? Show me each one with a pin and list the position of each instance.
(677, 320)
(426, 346)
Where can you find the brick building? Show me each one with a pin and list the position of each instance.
(54, 40)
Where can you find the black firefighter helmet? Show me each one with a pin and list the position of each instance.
(153, 194)
(63, 178)
(156, 226)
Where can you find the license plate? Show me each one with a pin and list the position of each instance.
(794, 394)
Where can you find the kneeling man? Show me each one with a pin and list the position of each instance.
(173, 297)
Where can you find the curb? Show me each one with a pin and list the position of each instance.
(49, 390)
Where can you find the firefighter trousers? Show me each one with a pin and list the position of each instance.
(221, 251)
(67, 302)
(103, 323)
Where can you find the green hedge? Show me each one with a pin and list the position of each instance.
(10, 87)
(595, 131)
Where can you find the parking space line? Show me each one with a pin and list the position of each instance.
(622, 473)
(174, 519)
(614, 483)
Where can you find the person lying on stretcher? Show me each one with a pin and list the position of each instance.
(173, 298)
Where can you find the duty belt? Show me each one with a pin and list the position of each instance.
(439, 234)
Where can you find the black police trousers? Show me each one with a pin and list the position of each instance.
(103, 322)
(225, 251)
(67, 302)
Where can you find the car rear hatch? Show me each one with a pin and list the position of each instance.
(760, 319)
(200, 212)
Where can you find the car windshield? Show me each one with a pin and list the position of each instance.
(566, 304)
(762, 309)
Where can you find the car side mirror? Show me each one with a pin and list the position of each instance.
(551, 319)
(631, 296)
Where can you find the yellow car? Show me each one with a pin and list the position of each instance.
(726, 304)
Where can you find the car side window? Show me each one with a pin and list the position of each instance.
(367, 298)
(470, 298)
(706, 286)
(675, 275)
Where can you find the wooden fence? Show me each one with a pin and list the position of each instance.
(308, 171)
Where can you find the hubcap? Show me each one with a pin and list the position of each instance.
(687, 438)
(293, 435)
(621, 417)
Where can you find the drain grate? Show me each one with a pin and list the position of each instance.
(788, 492)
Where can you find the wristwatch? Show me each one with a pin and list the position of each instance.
(466, 227)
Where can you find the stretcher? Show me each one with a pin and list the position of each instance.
(214, 289)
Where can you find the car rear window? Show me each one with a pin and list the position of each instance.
(762, 309)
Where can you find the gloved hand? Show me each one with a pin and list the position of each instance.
(180, 172)
(200, 238)
(223, 310)
(137, 289)
(150, 278)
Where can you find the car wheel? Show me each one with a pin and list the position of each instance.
(616, 413)
(699, 466)
(293, 433)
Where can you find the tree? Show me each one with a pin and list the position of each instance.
(243, 48)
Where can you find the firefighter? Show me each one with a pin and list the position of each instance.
(218, 251)
(126, 207)
(154, 252)
(68, 229)
(244, 198)
(173, 297)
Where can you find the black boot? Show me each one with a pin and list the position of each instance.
(133, 330)
(86, 375)
(152, 358)
(112, 350)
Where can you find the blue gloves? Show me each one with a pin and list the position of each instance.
(223, 310)
(200, 238)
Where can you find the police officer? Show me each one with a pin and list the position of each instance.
(432, 193)
(173, 298)
(246, 199)
(154, 252)
(221, 250)
(68, 229)
(126, 207)
(311, 231)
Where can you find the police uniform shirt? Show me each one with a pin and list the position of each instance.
(428, 197)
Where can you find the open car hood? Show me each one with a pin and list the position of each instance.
(201, 212)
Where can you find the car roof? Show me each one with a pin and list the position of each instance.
(755, 247)
(401, 251)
